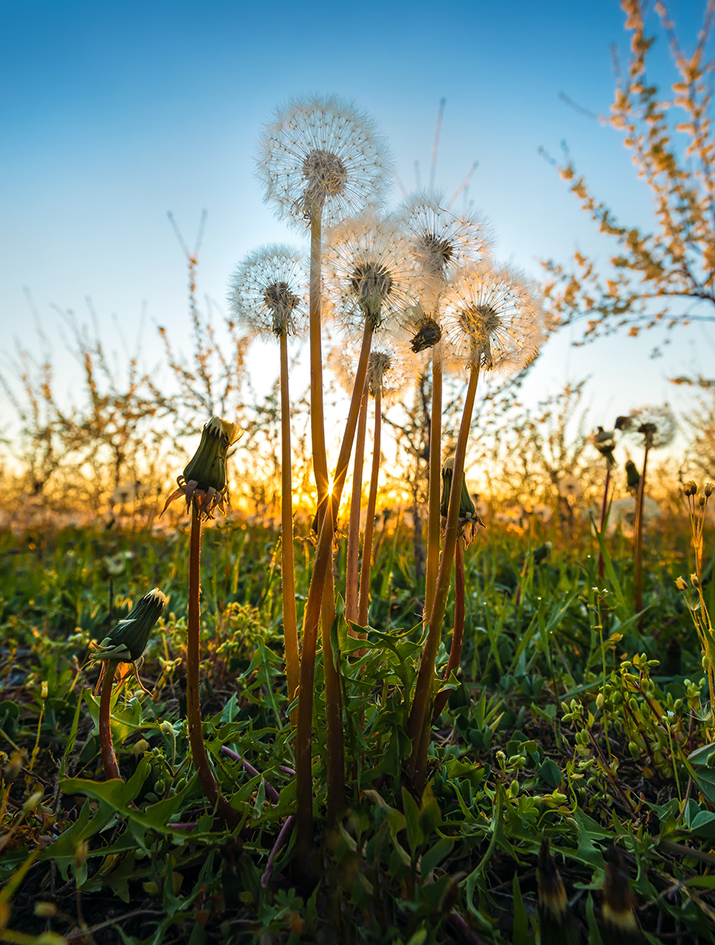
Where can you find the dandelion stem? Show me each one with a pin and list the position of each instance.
(602, 522)
(311, 616)
(109, 759)
(638, 541)
(455, 651)
(317, 422)
(420, 715)
(351, 570)
(435, 481)
(364, 602)
(335, 746)
(290, 624)
(193, 704)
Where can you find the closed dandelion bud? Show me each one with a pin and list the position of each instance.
(690, 487)
(600, 700)
(204, 479)
(468, 516)
(466, 506)
(695, 580)
(126, 642)
(708, 489)
(681, 584)
(208, 466)
(633, 477)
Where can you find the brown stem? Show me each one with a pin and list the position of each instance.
(638, 541)
(334, 742)
(420, 715)
(290, 623)
(317, 421)
(311, 615)
(435, 481)
(351, 569)
(455, 651)
(109, 759)
(370, 522)
(193, 704)
(602, 522)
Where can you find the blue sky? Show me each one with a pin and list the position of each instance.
(114, 114)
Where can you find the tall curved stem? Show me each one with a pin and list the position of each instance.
(435, 481)
(351, 569)
(311, 616)
(290, 624)
(364, 603)
(455, 651)
(602, 521)
(317, 421)
(109, 759)
(193, 703)
(420, 715)
(638, 539)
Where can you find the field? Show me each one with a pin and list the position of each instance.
(566, 722)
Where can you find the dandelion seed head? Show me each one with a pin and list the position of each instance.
(322, 156)
(391, 368)
(493, 319)
(368, 274)
(441, 242)
(267, 292)
(654, 425)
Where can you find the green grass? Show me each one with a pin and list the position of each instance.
(565, 723)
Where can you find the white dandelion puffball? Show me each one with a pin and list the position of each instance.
(268, 292)
(321, 156)
(493, 320)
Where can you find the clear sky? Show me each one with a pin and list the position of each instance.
(113, 114)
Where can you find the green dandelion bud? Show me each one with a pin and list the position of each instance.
(204, 479)
(466, 506)
(208, 467)
(127, 640)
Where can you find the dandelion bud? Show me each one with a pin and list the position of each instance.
(695, 580)
(128, 639)
(690, 488)
(466, 506)
(633, 477)
(681, 584)
(708, 489)
(208, 467)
